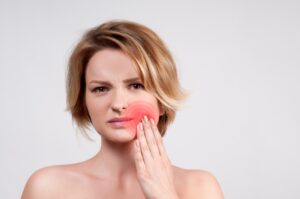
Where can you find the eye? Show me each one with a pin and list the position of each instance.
(137, 86)
(100, 89)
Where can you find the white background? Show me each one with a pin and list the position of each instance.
(239, 59)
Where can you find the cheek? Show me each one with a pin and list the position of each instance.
(137, 111)
(95, 111)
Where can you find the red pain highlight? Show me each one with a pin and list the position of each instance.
(137, 111)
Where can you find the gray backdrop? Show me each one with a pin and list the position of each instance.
(239, 59)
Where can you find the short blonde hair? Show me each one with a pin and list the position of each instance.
(150, 55)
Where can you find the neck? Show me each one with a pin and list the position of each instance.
(115, 160)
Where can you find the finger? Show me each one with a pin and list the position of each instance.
(151, 140)
(159, 140)
(143, 145)
(139, 162)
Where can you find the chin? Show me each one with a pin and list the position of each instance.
(120, 135)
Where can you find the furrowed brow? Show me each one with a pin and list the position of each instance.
(134, 79)
(129, 80)
(100, 82)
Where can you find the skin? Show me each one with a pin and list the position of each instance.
(132, 161)
(136, 111)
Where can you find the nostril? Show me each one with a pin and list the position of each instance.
(119, 107)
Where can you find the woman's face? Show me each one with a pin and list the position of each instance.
(115, 96)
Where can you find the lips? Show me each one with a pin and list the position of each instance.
(123, 119)
(120, 123)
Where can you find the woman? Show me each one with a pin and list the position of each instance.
(122, 81)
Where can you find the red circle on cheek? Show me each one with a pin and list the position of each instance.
(137, 111)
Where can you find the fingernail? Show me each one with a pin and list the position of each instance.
(145, 118)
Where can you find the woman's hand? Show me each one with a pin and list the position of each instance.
(153, 166)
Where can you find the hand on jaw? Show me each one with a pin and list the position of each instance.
(154, 169)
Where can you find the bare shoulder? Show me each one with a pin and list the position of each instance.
(197, 184)
(48, 182)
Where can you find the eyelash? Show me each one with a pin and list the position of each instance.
(137, 85)
(134, 85)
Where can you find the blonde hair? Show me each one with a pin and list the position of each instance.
(150, 55)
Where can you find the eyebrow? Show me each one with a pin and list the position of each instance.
(108, 83)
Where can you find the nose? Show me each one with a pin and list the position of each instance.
(119, 101)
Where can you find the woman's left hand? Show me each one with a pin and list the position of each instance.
(153, 166)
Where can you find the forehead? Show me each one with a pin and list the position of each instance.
(110, 63)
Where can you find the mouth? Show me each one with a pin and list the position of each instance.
(120, 120)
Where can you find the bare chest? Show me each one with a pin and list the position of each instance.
(101, 190)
